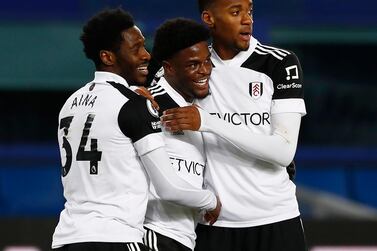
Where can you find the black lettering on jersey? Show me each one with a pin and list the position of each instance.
(84, 100)
(93, 155)
(64, 124)
(188, 166)
(245, 118)
(282, 66)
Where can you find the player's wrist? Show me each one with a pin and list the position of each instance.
(205, 118)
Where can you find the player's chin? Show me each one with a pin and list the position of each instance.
(141, 80)
(201, 88)
(243, 45)
(200, 94)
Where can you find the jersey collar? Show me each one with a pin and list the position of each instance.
(238, 60)
(104, 76)
(173, 93)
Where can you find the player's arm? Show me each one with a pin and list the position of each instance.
(139, 122)
(141, 90)
(279, 147)
(169, 186)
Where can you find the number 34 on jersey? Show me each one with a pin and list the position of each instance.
(93, 155)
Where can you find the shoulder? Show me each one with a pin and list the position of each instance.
(156, 90)
(269, 60)
(137, 118)
(138, 107)
(161, 96)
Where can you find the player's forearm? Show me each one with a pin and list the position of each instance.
(169, 186)
(278, 147)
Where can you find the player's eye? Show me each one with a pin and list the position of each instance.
(193, 66)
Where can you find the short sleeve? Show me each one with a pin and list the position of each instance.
(288, 82)
(139, 121)
(288, 79)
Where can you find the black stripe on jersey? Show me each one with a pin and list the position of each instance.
(156, 90)
(134, 119)
(134, 246)
(158, 93)
(263, 51)
(164, 101)
(124, 90)
(277, 50)
(150, 239)
(154, 87)
(284, 71)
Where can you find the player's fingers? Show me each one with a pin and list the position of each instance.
(180, 110)
(207, 217)
(182, 124)
(145, 93)
(173, 128)
(212, 221)
(142, 91)
(171, 116)
(155, 105)
(172, 111)
(175, 115)
(176, 120)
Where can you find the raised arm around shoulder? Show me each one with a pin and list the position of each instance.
(279, 147)
(169, 186)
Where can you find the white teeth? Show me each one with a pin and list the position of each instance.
(201, 82)
(143, 69)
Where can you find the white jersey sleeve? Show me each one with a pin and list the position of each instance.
(169, 186)
(278, 148)
(143, 128)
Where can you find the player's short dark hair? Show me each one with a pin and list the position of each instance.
(204, 4)
(175, 35)
(103, 32)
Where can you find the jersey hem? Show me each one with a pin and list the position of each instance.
(60, 243)
(149, 143)
(296, 105)
(255, 223)
(171, 236)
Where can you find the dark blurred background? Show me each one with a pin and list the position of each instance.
(336, 41)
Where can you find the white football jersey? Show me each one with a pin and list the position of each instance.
(103, 127)
(187, 157)
(245, 91)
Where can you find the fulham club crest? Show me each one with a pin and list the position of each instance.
(256, 90)
(151, 109)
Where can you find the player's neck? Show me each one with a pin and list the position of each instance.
(225, 52)
(175, 86)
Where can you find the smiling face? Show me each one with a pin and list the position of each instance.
(231, 23)
(188, 71)
(132, 58)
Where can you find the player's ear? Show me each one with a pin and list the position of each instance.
(208, 18)
(168, 68)
(107, 57)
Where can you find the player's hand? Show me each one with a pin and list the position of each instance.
(141, 90)
(291, 170)
(181, 118)
(211, 216)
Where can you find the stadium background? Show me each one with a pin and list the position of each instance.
(336, 41)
